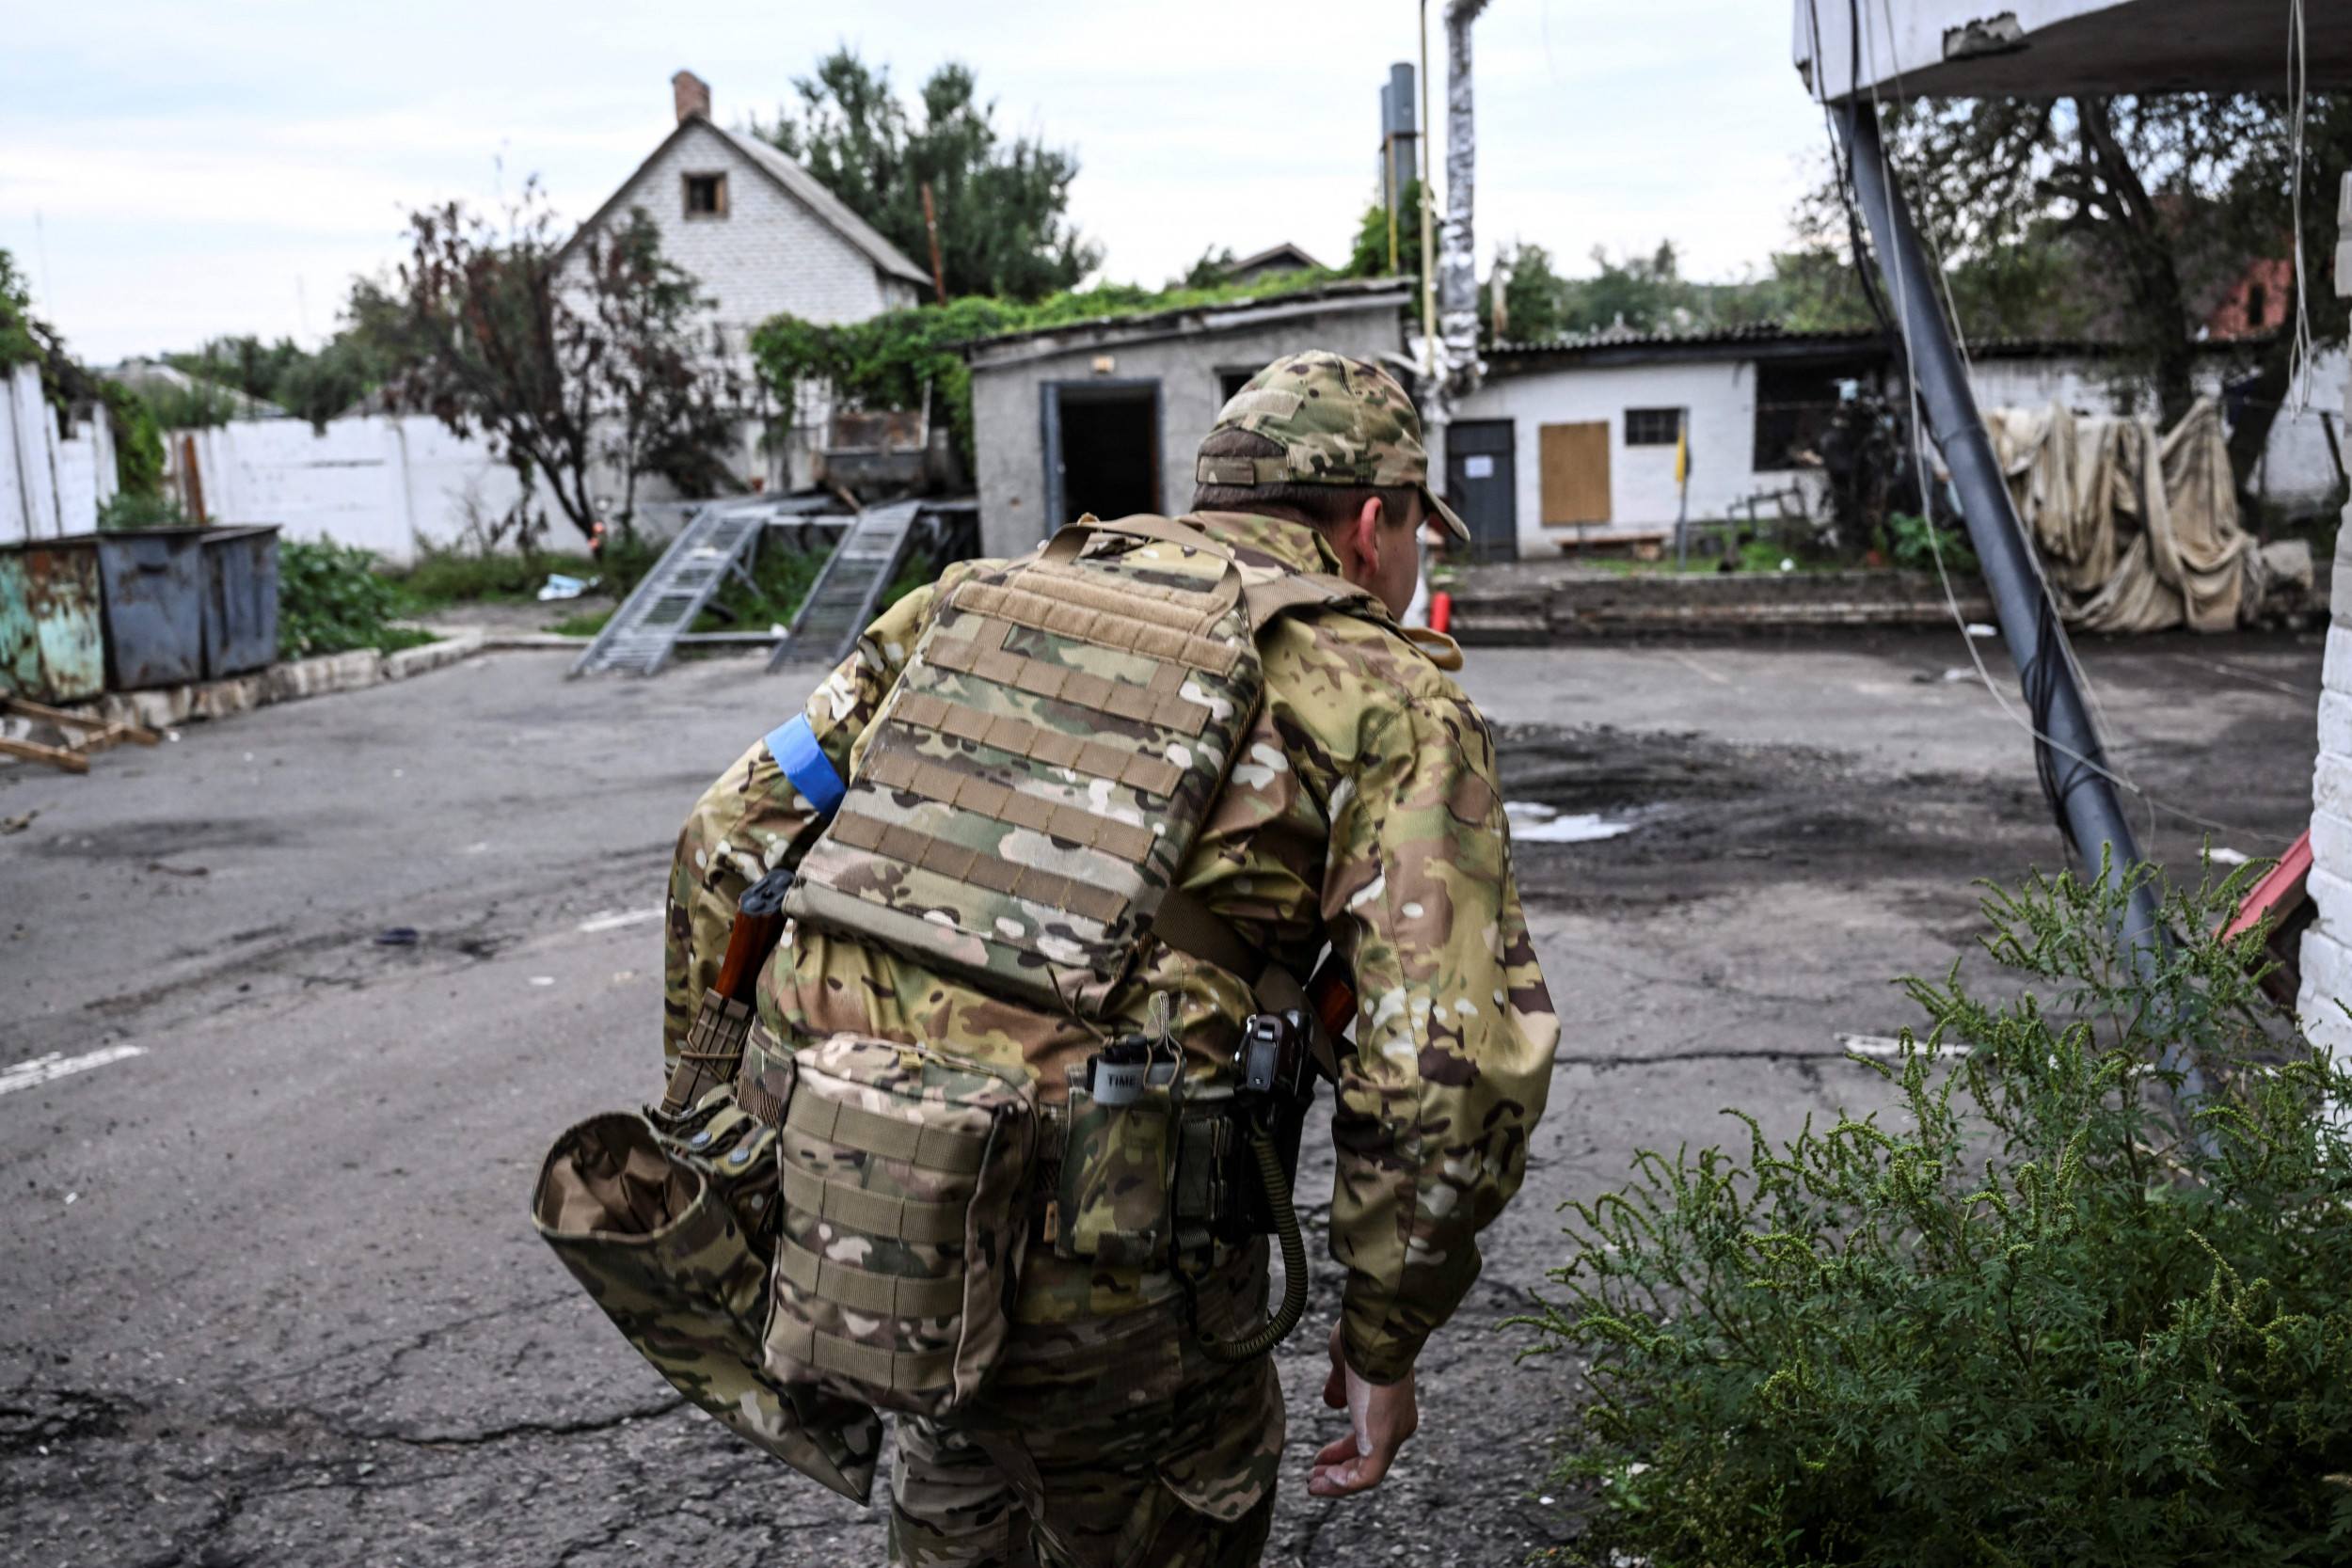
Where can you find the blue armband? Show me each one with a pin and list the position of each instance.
(795, 748)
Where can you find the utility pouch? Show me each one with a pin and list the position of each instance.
(1118, 1170)
(666, 1232)
(904, 1218)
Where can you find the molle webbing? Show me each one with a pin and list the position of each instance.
(1094, 758)
(934, 1148)
(899, 1371)
(1106, 616)
(905, 1219)
(913, 775)
(958, 863)
(1138, 704)
(880, 1296)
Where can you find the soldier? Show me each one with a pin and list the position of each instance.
(1361, 810)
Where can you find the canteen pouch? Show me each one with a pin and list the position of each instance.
(904, 1174)
(668, 1230)
(1118, 1173)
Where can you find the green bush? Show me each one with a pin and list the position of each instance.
(2043, 1317)
(330, 601)
(1913, 545)
(131, 509)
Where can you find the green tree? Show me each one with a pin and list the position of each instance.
(673, 393)
(2125, 217)
(490, 329)
(1368, 257)
(1002, 205)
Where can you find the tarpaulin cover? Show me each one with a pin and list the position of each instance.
(2136, 531)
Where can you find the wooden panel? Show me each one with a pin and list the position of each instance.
(1575, 460)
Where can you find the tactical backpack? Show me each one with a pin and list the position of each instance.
(1026, 798)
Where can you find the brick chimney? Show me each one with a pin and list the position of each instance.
(692, 95)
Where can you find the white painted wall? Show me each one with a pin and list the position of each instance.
(385, 485)
(2326, 956)
(28, 459)
(1721, 396)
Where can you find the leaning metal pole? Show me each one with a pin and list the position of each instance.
(2084, 796)
(2066, 742)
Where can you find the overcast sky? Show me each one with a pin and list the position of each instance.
(171, 171)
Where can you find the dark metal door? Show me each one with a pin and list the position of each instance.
(240, 600)
(154, 607)
(1482, 484)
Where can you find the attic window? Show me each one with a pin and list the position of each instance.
(1653, 427)
(706, 195)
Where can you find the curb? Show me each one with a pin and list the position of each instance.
(166, 707)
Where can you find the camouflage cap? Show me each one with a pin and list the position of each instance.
(1337, 421)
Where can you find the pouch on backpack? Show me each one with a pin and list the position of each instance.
(666, 1233)
(902, 1176)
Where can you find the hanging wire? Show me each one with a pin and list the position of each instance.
(2298, 400)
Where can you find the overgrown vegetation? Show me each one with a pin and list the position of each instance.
(331, 600)
(494, 329)
(70, 387)
(2049, 1312)
(783, 576)
(887, 361)
(2128, 220)
(1002, 208)
(315, 385)
(128, 509)
(438, 578)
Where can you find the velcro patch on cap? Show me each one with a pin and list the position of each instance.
(1267, 401)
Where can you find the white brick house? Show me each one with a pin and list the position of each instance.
(2326, 956)
(760, 236)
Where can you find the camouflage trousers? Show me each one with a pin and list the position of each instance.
(1103, 1443)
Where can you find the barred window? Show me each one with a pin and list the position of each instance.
(1652, 427)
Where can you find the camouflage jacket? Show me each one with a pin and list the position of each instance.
(1361, 808)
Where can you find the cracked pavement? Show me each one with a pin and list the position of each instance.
(269, 1292)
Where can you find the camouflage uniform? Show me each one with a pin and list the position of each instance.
(1361, 808)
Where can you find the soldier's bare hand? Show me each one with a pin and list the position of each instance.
(1380, 1419)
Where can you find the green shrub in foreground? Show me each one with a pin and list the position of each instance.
(2042, 1319)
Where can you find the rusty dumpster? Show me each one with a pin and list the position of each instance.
(53, 643)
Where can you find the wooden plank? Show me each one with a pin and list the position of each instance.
(72, 762)
(108, 731)
(1574, 464)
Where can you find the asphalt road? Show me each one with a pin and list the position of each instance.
(269, 1295)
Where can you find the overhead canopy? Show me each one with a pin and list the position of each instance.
(2062, 48)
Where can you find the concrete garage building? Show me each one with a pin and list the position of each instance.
(1104, 415)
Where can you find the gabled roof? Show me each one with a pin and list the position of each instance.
(1283, 257)
(796, 183)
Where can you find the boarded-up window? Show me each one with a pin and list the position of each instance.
(1575, 462)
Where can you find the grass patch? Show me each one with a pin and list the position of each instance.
(440, 579)
(782, 576)
(578, 624)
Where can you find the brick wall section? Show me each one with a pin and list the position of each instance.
(2327, 944)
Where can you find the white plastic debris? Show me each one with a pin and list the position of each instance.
(1532, 822)
(561, 587)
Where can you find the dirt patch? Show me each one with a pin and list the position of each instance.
(1706, 815)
